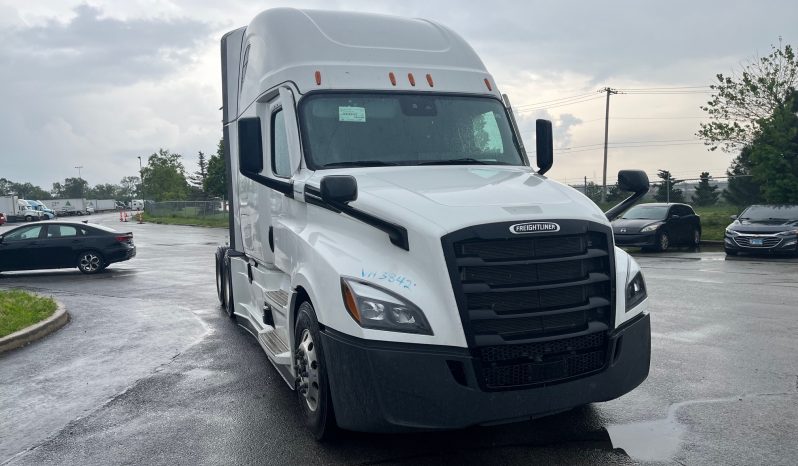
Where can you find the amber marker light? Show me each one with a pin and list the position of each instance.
(349, 301)
(318, 78)
(487, 83)
(411, 79)
(392, 77)
(429, 80)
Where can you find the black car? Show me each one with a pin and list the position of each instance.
(763, 229)
(658, 226)
(56, 245)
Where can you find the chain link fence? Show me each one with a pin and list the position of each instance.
(188, 209)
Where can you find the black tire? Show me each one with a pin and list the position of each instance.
(230, 307)
(729, 252)
(28, 218)
(313, 387)
(696, 238)
(221, 276)
(90, 262)
(663, 241)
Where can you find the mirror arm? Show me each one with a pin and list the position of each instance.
(396, 233)
(614, 212)
(287, 188)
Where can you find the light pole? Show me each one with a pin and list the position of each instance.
(141, 183)
(80, 180)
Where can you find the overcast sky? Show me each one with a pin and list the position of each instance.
(97, 84)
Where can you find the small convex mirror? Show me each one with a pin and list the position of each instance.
(633, 180)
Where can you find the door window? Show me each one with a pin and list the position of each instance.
(281, 161)
(24, 234)
(61, 231)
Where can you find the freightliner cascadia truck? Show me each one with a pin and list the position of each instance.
(392, 249)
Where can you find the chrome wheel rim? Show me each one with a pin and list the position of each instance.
(696, 237)
(664, 242)
(90, 262)
(308, 370)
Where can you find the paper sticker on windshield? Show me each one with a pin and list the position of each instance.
(356, 114)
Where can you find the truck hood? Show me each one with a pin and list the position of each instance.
(453, 197)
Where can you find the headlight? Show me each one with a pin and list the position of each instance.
(788, 232)
(635, 291)
(652, 227)
(731, 232)
(377, 308)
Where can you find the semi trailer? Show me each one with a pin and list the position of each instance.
(392, 248)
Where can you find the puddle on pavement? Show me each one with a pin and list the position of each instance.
(659, 440)
(649, 440)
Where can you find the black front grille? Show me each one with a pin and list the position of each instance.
(767, 241)
(537, 307)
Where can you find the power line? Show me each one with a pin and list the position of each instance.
(536, 104)
(587, 99)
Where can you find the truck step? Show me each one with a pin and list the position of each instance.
(275, 348)
(277, 298)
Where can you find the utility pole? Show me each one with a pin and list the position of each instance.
(80, 180)
(609, 92)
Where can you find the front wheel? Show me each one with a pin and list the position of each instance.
(663, 241)
(28, 218)
(90, 262)
(312, 384)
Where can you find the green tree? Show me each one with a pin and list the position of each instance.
(129, 188)
(705, 194)
(742, 101)
(105, 191)
(164, 177)
(72, 188)
(666, 191)
(741, 189)
(23, 190)
(216, 180)
(774, 154)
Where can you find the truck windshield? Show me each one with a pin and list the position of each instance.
(360, 130)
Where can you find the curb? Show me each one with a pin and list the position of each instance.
(36, 331)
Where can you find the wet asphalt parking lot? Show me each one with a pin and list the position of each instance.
(151, 371)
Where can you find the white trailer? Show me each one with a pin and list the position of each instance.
(8, 206)
(397, 257)
(64, 207)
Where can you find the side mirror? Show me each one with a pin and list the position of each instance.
(545, 145)
(629, 180)
(338, 189)
(633, 180)
(733, 217)
(250, 145)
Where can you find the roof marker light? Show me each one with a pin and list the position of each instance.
(487, 83)
(392, 78)
(411, 79)
(429, 80)
(318, 78)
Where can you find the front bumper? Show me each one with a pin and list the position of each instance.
(391, 387)
(636, 239)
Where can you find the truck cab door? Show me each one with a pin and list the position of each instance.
(285, 160)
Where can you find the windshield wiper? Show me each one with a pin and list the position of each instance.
(462, 161)
(359, 163)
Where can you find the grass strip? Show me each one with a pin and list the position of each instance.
(20, 309)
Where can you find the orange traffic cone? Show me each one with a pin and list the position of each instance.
(125, 220)
(120, 215)
(140, 216)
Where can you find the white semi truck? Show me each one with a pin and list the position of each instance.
(392, 249)
(16, 210)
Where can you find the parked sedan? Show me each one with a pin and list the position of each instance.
(763, 229)
(658, 226)
(55, 245)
